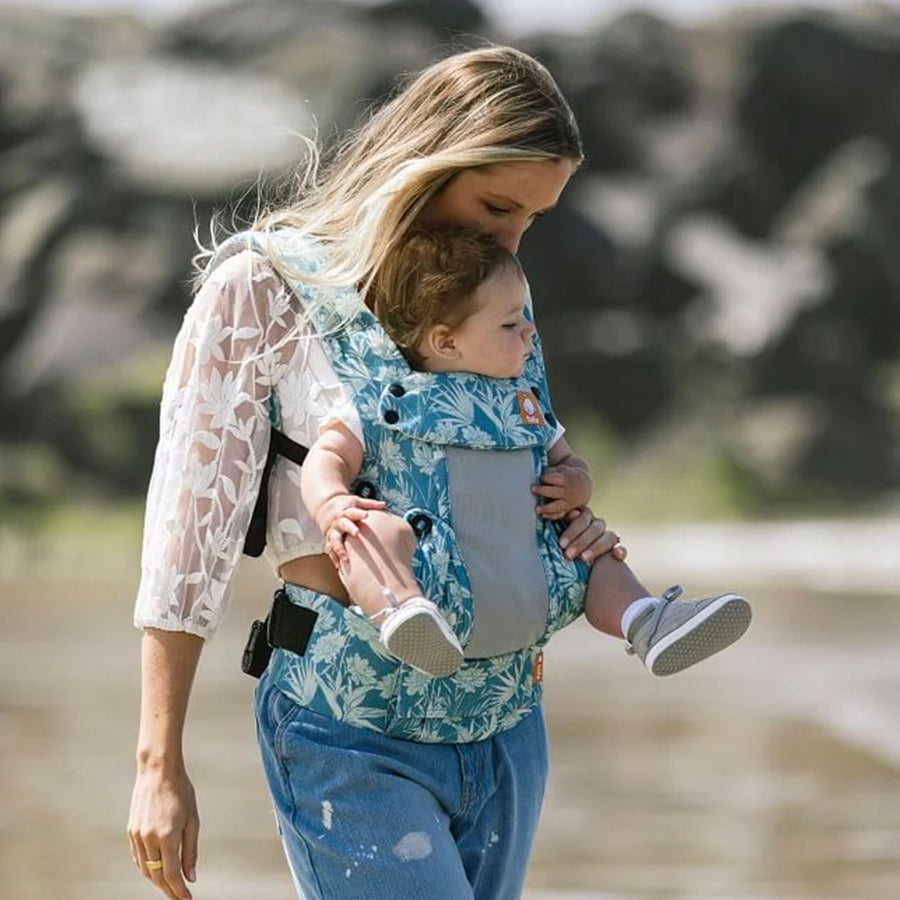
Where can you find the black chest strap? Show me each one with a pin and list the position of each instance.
(279, 445)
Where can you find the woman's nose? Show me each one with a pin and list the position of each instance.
(510, 237)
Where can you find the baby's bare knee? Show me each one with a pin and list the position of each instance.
(393, 533)
(380, 557)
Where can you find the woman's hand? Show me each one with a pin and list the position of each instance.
(163, 827)
(587, 537)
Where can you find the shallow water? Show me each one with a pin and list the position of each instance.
(772, 771)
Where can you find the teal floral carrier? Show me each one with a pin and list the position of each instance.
(411, 420)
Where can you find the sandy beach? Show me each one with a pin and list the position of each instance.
(772, 771)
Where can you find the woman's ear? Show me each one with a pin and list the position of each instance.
(441, 342)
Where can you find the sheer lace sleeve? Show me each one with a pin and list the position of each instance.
(233, 346)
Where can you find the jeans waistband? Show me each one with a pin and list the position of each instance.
(346, 673)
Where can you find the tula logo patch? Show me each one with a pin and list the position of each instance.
(529, 410)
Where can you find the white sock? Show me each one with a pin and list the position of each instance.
(634, 610)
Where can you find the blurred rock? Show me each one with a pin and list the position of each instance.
(32, 224)
(812, 83)
(239, 30)
(732, 238)
(446, 18)
(647, 58)
(753, 291)
(630, 72)
(186, 128)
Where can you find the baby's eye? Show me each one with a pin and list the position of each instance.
(510, 325)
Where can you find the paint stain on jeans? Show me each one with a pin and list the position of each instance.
(412, 846)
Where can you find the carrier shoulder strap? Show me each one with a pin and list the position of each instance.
(279, 445)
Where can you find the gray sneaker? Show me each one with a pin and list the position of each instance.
(672, 636)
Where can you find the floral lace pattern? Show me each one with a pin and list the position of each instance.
(238, 350)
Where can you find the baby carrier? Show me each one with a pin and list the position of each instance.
(453, 454)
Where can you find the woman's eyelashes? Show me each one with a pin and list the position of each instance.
(493, 209)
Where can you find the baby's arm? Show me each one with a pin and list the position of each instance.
(565, 483)
(330, 467)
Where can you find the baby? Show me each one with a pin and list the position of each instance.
(454, 300)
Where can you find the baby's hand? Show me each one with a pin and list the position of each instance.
(566, 487)
(337, 518)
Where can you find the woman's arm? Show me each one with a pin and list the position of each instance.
(214, 433)
(163, 823)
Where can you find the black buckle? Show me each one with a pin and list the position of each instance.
(257, 650)
(287, 627)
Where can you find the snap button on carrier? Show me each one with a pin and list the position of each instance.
(366, 490)
(421, 525)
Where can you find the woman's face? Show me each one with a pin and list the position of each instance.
(502, 199)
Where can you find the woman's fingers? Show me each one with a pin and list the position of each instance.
(587, 536)
(163, 828)
(170, 881)
(189, 849)
(582, 529)
(603, 544)
(161, 867)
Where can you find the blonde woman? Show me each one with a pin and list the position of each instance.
(386, 783)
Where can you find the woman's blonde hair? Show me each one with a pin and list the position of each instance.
(483, 106)
(430, 277)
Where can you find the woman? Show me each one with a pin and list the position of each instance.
(482, 139)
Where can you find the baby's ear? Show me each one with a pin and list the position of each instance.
(440, 341)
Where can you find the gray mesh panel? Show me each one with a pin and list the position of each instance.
(493, 517)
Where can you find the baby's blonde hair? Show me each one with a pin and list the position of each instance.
(476, 108)
(431, 278)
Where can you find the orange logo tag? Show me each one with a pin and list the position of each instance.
(529, 409)
(537, 668)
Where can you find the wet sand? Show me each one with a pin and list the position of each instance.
(772, 771)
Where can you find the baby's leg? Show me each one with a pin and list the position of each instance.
(666, 636)
(380, 558)
(379, 578)
(611, 589)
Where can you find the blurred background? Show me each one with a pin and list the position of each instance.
(719, 299)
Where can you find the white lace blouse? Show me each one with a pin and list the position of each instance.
(238, 345)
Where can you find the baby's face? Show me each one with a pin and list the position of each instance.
(497, 338)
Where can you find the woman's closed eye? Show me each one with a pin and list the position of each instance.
(496, 210)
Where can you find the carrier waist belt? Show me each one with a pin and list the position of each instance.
(346, 673)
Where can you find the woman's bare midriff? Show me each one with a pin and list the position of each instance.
(316, 573)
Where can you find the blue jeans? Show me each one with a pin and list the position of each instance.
(371, 817)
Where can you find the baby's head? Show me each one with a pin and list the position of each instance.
(453, 300)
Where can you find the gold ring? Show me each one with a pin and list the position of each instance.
(153, 865)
